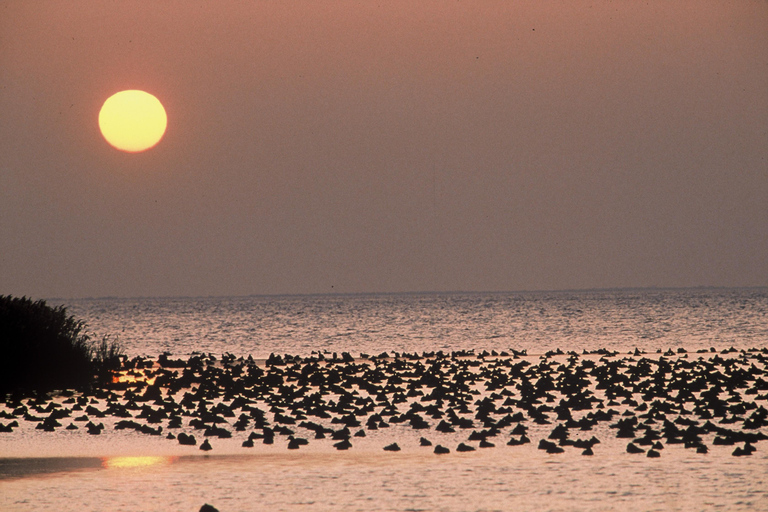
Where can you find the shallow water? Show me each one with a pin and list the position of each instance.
(126, 471)
(494, 480)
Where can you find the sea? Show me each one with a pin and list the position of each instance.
(123, 471)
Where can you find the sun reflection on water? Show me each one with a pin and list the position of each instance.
(136, 462)
(132, 377)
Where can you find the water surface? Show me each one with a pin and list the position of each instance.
(125, 471)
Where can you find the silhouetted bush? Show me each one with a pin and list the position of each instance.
(106, 357)
(44, 349)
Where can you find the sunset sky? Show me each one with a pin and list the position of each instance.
(356, 146)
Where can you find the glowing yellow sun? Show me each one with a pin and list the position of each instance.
(132, 120)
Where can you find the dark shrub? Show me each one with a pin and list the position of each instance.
(43, 349)
(107, 357)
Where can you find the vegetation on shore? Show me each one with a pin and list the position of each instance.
(42, 349)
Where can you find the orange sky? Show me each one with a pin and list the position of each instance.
(352, 147)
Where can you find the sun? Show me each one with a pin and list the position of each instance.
(132, 120)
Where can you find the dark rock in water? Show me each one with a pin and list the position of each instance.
(425, 442)
(341, 434)
(343, 445)
(93, 429)
(741, 452)
(418, 423)
(465, 448)
(186, 439)
(444, 426)
(476, 436)
(174, 423)
(295, 442)
(559, 432)
(653, 454)
(546, 445)
(248, 443)
(208, 508)
(206, 446)
(49, 425)
(146, 429)
(519, 430)
(439, 449)
(123, 424)
(555, 449)
(392, 448)
(632, 448)
(219, 432)
(588, 451)
(91, 410)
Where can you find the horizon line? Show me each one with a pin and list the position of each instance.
(447, 292)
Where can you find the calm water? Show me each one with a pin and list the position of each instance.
(536, 322)
(69, 471)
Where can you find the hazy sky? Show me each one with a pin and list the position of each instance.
(365, 146)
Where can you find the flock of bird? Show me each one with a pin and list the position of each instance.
(651, 400)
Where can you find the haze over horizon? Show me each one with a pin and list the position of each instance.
(347, 147)
(406, 293)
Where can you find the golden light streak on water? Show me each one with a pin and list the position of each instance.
(132, 377)
(136, 462)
